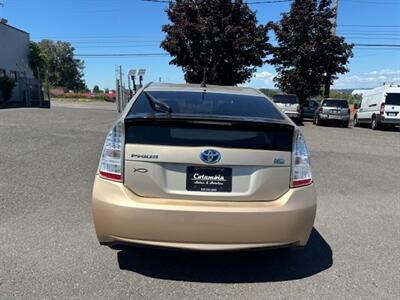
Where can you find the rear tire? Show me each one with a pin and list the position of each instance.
(299, 122)
(317, 121)
(355, 121)
(374, 123)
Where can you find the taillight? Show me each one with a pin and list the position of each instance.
(111, 161)
(298, 108)
(301, 169)
(348, 111)
(382, 109)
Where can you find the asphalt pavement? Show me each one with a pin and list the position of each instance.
(48, 247)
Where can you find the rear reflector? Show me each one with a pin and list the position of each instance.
(111, 161)
(109, 175)
(301, 170)
(301, 182)
(382, 108)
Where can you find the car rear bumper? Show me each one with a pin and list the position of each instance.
(386, 120)
(292, 115)
(120, 216)
(339, 118)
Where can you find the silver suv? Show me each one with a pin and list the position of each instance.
(335, 111)
(289, 104)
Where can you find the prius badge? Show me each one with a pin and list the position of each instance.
(210, 156)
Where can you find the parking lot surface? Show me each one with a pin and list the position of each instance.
(48, 247)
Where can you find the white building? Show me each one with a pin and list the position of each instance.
(14, 50)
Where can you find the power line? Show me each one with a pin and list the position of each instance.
(378, 45)
(373, 38)
(110, 42)
(157, 1)
(84, 37)
(371, 26)
(268, 2)
(286, 1)
(116, 46)
(252, 2)
(369, 33)
(373, 2)
(166, 54)
(121, 54)
(377, 36)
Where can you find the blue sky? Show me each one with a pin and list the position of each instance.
(134, 26)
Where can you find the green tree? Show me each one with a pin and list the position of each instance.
(37, 60)
(269, 92)
(308, 52)
(219, 36)
(64, 70)
(7, 85)
(96, 89)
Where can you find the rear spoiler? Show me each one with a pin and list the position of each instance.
(193, 120)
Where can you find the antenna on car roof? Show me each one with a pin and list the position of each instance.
(203, 83)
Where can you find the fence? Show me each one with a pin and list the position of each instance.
(28, 92)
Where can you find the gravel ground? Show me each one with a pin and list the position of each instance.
(48, 247)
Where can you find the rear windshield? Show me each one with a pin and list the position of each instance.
(199, 103)
(197, 135)
(285, 99)
(311, 103)
(393, 99)
(335, 103)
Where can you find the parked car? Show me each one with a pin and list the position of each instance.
(309, 108)
(380, 108)
(290, 105)
(207, 168)
(333, 111)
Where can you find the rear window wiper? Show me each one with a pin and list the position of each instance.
(157, 104)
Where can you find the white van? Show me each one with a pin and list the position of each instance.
(379, 107)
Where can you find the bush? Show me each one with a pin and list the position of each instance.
(7, 85)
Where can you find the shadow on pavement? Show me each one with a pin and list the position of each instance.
(230, 267)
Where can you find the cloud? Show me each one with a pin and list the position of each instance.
(263, 79)
(385, 72)
(265, 75)
(368, 80)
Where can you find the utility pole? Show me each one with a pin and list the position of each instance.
(335, 6)
(121, 90)
(327, 88)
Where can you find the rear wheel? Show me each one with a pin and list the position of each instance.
(317, 121)
(299, 121)
(374, 123)
(355, 121)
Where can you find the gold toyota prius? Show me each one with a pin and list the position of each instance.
(205, 168)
